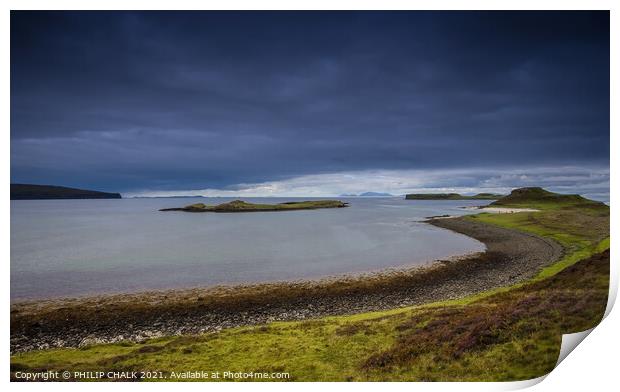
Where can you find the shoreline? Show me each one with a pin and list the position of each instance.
(316, 280)
(511, 257)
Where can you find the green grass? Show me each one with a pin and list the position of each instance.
(582, 228)
(511, 333)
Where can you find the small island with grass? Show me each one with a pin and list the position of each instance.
(452, 196)
(242, 206)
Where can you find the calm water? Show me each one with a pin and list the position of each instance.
(78, 247)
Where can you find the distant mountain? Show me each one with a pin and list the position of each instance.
(367, 194)
(375, 194)
(43, 192)
(451, 196)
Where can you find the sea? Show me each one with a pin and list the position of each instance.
(72, 248)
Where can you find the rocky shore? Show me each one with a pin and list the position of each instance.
(511, 257)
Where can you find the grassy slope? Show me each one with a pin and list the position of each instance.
(509, 334)
(580, 225)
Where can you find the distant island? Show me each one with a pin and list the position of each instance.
(452, 196)
(242, 206)
(375, 194)
(367, 194)
(50, 192)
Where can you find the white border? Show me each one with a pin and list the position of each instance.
(313, 5)
(592, 364)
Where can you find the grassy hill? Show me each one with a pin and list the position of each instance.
(537, 197)
(38, 192)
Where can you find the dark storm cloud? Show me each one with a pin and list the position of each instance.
(174, 100)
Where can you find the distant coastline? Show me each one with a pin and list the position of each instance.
(367, 194)
(452, 196)
(53, 192)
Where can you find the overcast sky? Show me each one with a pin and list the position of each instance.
(261, 103)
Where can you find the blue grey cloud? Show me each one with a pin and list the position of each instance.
(134, 101)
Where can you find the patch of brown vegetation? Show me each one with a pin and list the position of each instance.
(573, 300)
(350, 329)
